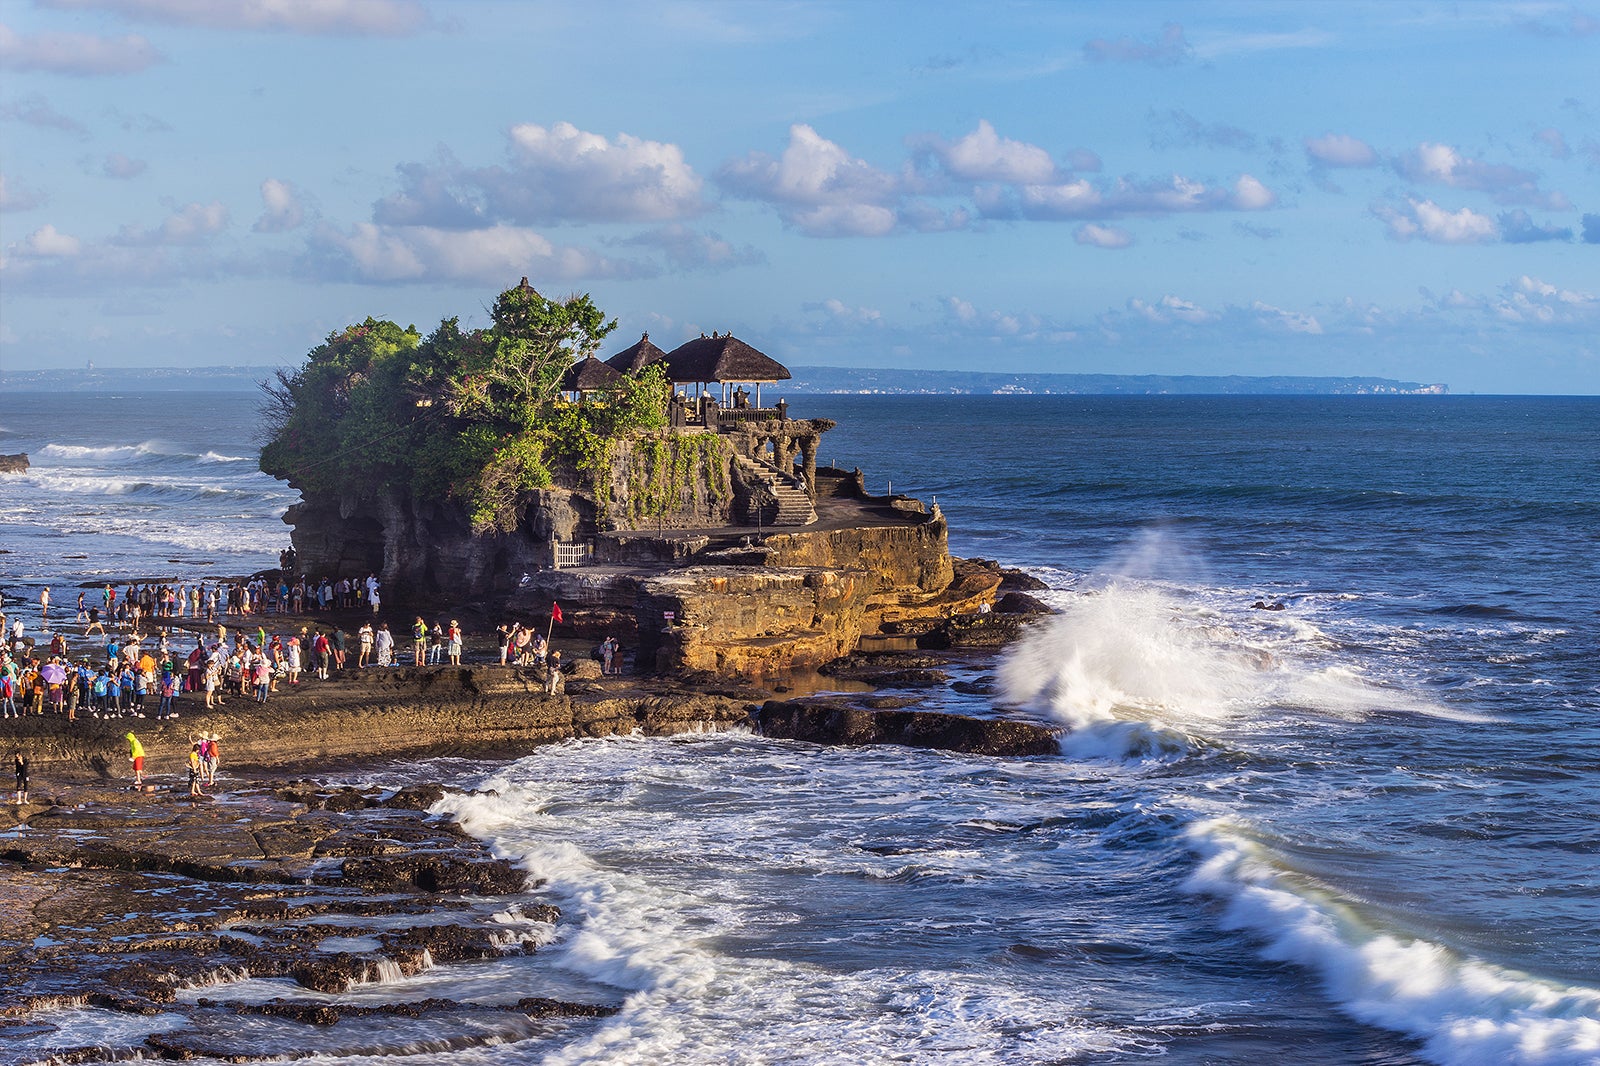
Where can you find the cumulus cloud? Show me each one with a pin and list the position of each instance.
(556, 174)
(80, 54)
(1290, 321)
(839, 313)
(192, 223)
(1530, 299)
(382, 18)
(689, 249)
(1250, 195)
(1098, 236)
(282, 209)
(1518, 227)
(818, 187)
(14, 197)
(1165, 50)
(1432, 163)
(47, 242)
(37, 111)
(984, 155)
(372, 254)
(1171, 309)
(1340, 150)
(1082, 199)
(122, 167)
(1428, 221)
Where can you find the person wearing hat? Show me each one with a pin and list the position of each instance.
(209, 758)
(454, 637)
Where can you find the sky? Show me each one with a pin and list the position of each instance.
(1407, 190)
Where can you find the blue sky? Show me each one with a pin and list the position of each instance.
(1409, 190)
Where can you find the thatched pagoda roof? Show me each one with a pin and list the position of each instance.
(640, 355)
(724, 358)
(589, 375)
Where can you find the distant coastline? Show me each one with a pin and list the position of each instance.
(807, 381)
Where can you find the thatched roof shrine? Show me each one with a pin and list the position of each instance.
(723, 359)
(589, 375)
(633, 359)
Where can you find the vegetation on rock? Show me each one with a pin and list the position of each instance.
(476, 417)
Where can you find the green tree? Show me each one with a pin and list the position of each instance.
(471, 416)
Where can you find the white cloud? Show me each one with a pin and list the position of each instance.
(984, 155)
(818, 187)
(384, 255)
(629, 178)
(1430, 222)
(1250, 195)
(1171, 309)
(282, 208)
(48, 243)
(1293, 321)
(1098, 236)
(557, 173)
(1432, 163)
(79, 54)
(1340, 150)
(190, 224)
(838, 312)
(385, 18)
(1529, 299)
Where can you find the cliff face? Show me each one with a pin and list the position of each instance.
(687, 592)
(426, 551)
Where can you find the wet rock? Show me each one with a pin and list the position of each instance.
(416, 797)
(832, 723)
(1021, 603)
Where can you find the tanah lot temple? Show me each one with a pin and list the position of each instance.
(717, 544)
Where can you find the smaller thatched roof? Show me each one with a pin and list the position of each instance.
(724, 358)
(589, 375)
(640, 355)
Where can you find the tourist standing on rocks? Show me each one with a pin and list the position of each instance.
(365, 637)
(209, 758)
(136, 756)
(22, 764)
(385, 644)
(419, 634)
(454, 637)
(194, 770)
(552, 680)
(44, 607)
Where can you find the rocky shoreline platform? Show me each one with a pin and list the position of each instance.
(151, 906)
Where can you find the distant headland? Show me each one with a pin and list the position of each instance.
(804, 381)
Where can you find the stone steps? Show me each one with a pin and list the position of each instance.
(794, 505)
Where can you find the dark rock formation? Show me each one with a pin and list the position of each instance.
(14, 464)
(825, 722)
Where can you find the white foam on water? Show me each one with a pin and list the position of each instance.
(1466, 1012)
(1139, 671)
(655, 940)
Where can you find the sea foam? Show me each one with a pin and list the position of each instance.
(1467, 1012)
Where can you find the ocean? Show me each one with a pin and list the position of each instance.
(1359, 829)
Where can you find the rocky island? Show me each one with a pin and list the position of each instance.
(650, 494)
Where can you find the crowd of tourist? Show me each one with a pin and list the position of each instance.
(136, 668)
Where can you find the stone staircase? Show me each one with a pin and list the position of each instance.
(794, 505)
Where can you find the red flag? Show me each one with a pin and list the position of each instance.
(555, 612)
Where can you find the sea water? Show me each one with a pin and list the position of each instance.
(1359, 829)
